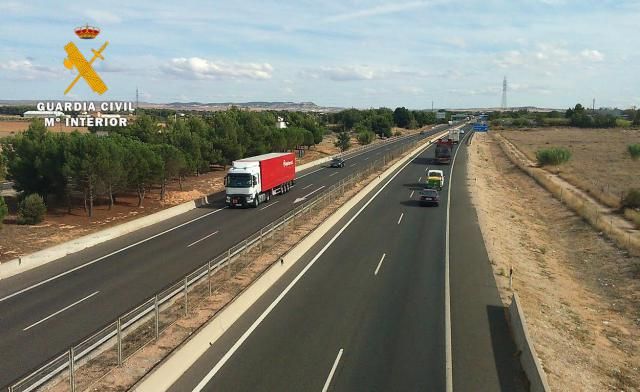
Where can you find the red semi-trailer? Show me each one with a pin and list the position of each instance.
(253, 180)
(444, 151)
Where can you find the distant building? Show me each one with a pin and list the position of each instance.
(281, 124)
(42, 114)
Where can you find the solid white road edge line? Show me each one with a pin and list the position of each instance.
(303, 188)
(309, 194)
(61, 310)
(106, 256)
(202, 239)
(331, 175)
(380, 264)
(400, 219)
(270, 204)
(447, 290)
(279, 298)
(333, 370)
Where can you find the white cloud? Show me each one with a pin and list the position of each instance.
(458, 42)
(27, 70)
(414, 90)
(199, 68)
(382, 9)
(342, 73)
(546, 56)
(102, 16)
(592, 55)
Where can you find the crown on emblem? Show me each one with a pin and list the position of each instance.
(87, 32)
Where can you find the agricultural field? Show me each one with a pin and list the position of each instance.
(600, 163)
(10, 127)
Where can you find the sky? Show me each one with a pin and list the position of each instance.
(347, 53)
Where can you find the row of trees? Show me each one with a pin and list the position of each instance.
(368, 123)
(578, 116)
(146, 153)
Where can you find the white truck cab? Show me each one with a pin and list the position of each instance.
(243, 179)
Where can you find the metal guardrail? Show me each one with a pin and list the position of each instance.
(114, 343)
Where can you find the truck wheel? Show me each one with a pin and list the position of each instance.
(256, 202)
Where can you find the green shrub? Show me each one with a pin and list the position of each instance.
(553, 156)
(398, 133)
(31, 210)
(3, 210)
(631, 199)
(634, 150)
(366, 137)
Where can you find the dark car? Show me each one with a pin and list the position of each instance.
(429, 197)
(337, 162)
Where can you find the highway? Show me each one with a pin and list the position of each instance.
(45, 310)
(364, 309)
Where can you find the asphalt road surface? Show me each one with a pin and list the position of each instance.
(46, 310)
(367, 311)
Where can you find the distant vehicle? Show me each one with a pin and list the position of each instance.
(461, 131)
(435, 179)
(429, 197)
(450, 122)
(454, 135)
(443, 152)
(253, 180)
(337, 162)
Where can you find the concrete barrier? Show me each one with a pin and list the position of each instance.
(169, 370)
(528, 357)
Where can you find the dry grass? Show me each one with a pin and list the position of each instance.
(11, 127)
(600, 163)
(580, 293)
(605, 220)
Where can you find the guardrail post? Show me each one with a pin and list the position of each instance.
(119, 332)
(186, 295)
(156, 307)
(209, 276)
(72, 380)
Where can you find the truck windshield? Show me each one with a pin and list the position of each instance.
(239, 180)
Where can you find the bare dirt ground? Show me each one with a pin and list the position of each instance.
(600, 164)
(60, 226)
(580, 293)
(11, 127)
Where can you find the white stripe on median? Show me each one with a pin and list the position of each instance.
(380, 264)
(332, 372)
(270, 204)
(60, 311)
(400, 219)
(411, 195)
(202, 239)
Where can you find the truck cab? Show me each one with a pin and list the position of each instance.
(243, 184)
